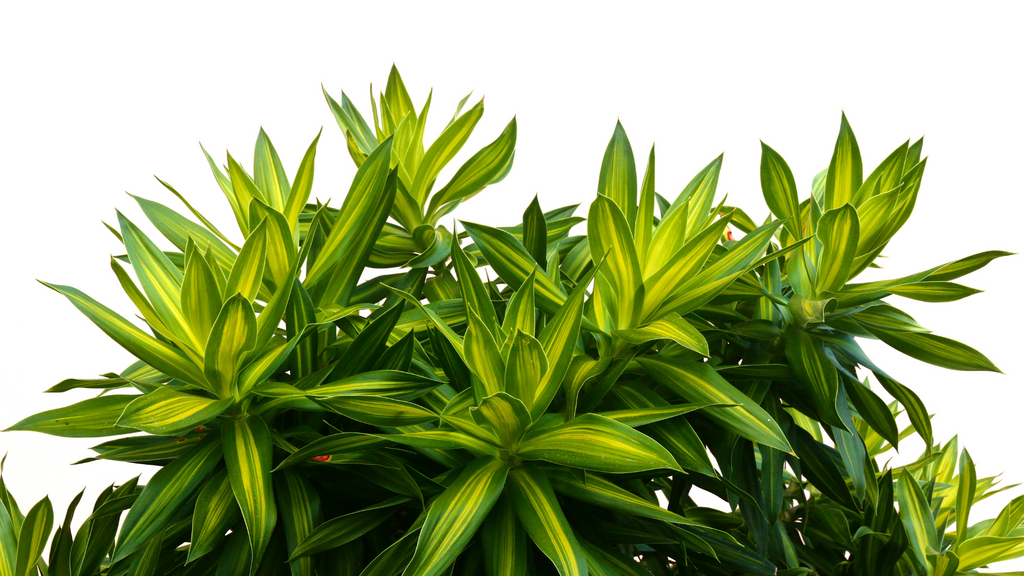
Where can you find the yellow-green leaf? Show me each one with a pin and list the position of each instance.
(537, 507)
(215, 513)
(671, 327)
(86, 419)
(779, 189)
(916, 514)
(379, 411)
(248, 454)
(442, 151)
(165, 412)
(454, 517)
(233, 334)
(618, 175)
(506, 415)
(838, 231)
(597, 443)
(246, 275)
(477, 172)
(844, 171)
(269, 173)
(698, 382)
(506, 548)
(610, 236)
(35, 531)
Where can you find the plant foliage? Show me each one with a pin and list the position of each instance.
(556, 415)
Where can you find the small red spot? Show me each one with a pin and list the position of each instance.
(728, 235)
(200, 429)
(180, 440)
(201, 436)
(321, 458)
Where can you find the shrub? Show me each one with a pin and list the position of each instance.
(427, 421)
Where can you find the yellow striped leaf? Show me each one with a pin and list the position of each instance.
(699, 194)
(300, 511)
(178, 229)
(215, 513)
(474, 293)
(443, 440)
(166, 492)
(225, 186)
(558, 338)
(506, 415)
(644, 228)
(779, 189)
(233, 334)
(86, 419)
(35, 531)
(200, 297)
(280, 247)
(166, 412)
(526, 365)
(441, 152)
(477, 172)
(698, 382)
(514, 264)
(386, 383)
(596, 443)
(671, 327)
(806, 355)
(268, 173)
(932, 291)
(838, 231)
(246, 275)
(966, 485)
(598, 491)
(936, 350)
(333, 445)
(873, 219)
(538, 509)
(505, 544)
(247, 453)
(844, 171)
(521, 312)
(680, 267)
(301, 186)
(984, 550)
(160, 279)
(454, 516)
(483, 358)
(244, 190)
(669, 237)
(8, 542)
(344, 529)
(916, 514)
(634, 417)
(379, 411)
(618, 175)
(609, 234)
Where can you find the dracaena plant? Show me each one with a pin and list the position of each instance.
(554, 414)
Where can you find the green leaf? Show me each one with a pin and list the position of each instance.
(838, 231)
(535, 232)
(86, 419)
(160, 279)
(819, 466)
(506, 548)
(526, 366)
(301, 186)
(885, 177)
(984, 550)
(166, 492)
(598, 491)
(233, 334)
(244, 190)
(269, 173)
(506, 415)
(966, 485)
(916, 513)
(936, 350)
(844, 171)
(441, 152)
(635, 417)
(167, 412)
(644, 228)
(178, 229)
(671, 327)
(806, 355)
(618, 175)
(8, 542)
(344, 529)
(386, 383)
(934, 291)
(594, 442)
(610, 236)
(333, 445)
(35, 531)
(698, 382)
(483, 357)
(680, 268)
(215, 513)
(246, 275)
(379, 411)
(514, 264)
(248, 455)
(779, 189)
(964, 266)
(472, 288)
(537, 508)
(454, 517)
(478, 172)
(200, 297)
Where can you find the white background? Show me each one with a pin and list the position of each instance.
(94, 100)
